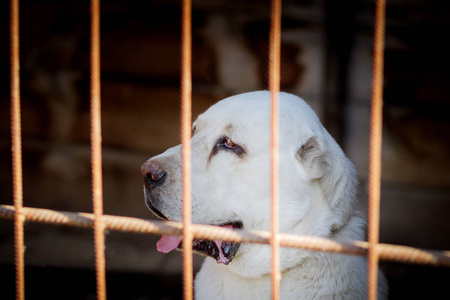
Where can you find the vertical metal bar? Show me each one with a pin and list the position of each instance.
(376, 125)
(96, 151)
(16, 151)
(186, 95)
(274, 87)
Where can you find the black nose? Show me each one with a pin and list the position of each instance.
(153, 173)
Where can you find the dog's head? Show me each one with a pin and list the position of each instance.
(231, 178)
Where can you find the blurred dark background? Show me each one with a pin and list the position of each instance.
(326, 59)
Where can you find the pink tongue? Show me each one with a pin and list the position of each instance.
(222, 259)
(168, 243)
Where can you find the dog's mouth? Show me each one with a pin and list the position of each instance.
(222, 252)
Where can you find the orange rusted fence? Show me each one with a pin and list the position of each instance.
(386, 252)
(16, 149)
(376, 123)
(274, 87)
(100, 222)
(96, 151)
(186, 111)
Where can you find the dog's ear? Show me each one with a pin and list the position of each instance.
(313, 157)
(327, 164)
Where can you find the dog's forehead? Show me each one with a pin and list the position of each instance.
(252, 111)
(229, 116)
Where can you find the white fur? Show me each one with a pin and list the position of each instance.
(317, 198)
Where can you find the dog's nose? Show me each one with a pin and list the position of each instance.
(153, 173)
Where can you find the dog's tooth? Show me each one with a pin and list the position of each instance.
(226, 248)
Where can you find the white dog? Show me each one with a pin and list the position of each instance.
(231, 188)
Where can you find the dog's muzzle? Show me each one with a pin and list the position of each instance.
(223, 252)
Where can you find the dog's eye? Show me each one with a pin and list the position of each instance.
(228, 145)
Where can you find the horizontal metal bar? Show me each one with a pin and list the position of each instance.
(386, 252)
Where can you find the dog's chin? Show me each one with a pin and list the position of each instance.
(222, 252)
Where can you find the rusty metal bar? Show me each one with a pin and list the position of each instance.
(99, 222)
(186, 116)
(376, 124)
(16, 151)
(96, 151)
(387, 252)
(274, 87)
